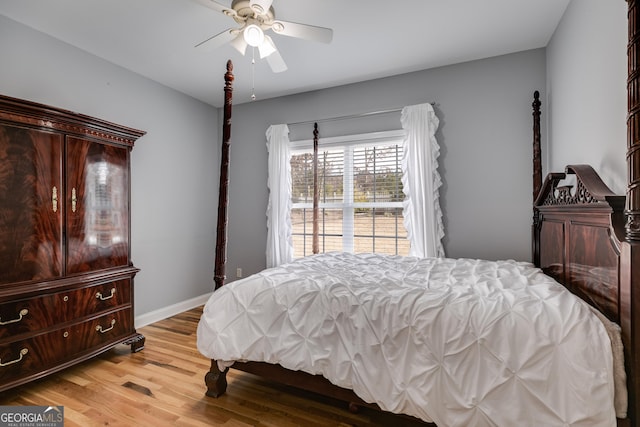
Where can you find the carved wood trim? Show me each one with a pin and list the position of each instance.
(589, 188)
(30, 113)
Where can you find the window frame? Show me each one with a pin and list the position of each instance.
(348, 206)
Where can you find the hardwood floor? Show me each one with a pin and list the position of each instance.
(163, 385)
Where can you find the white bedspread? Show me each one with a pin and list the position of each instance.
(459, 342)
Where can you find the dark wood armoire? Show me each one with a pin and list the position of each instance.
(66, 275)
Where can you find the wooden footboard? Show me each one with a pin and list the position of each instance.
(216, 383)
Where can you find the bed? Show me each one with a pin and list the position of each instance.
(585, 244)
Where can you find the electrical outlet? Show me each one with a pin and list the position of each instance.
(238, 272)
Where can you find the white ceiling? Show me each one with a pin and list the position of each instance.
(371, 39)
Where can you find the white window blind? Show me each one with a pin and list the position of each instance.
(360, 194)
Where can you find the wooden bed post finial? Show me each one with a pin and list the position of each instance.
(537, 156)
(223, 192)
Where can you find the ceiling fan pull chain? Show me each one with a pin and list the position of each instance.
(253, 69)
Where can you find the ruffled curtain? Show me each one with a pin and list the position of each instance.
(279, 241)
(421, 181)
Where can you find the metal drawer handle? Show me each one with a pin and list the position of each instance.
(54, 199)
(22, 313)
(102, 331)
(74, 199)
(22, 353)
(101, 298)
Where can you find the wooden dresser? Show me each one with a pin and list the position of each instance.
(66, 276)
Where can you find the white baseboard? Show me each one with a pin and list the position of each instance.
(162, 313)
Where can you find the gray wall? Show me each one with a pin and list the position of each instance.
(174, 166)
(586, 90)
(485, 136)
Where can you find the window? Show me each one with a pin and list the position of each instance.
(360, 195)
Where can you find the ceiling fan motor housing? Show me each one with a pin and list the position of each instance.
(244, 13)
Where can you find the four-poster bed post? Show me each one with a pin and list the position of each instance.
(631, 250)
(315, 246)
(223, 192)
(537, 168)
(633, 126)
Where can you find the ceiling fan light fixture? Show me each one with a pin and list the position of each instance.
(253, 35)
(267, 47)
(239, 44)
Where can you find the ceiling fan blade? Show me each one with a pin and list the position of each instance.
(218, 40)
(260, 6)
(211, 4)
(276, 62)
(303, 31)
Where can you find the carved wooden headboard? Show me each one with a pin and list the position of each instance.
(578, 231)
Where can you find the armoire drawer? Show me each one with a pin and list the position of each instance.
(33, 314)
(41, 352)
(102, 330)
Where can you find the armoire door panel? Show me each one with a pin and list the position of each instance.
(31, 208)
(97, 206)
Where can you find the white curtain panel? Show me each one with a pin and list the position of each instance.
(421, 181)
(279, 241)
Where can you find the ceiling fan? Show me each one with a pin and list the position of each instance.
(255, 17)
